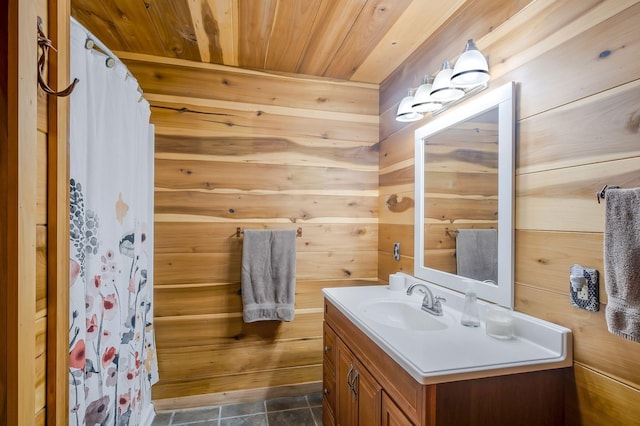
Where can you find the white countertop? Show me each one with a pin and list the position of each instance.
(456, 352)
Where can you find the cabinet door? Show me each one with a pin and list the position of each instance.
(329, 347)
(391, 413)
(346, 410)
(329, 376)
(329, 397)
(368, 393)
(359, 394)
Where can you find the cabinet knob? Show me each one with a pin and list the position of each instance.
(326, 391)
(327, 349)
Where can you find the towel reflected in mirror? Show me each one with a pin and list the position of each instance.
(477, 254)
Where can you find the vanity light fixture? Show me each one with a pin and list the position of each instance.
(471, 68)
(422, 100)
(443, 89)
(406, 113)
(469, 76)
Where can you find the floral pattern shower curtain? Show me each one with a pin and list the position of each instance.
(112, 358)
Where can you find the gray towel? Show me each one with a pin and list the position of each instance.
(622, 262)
(477, 254)
(268, 275)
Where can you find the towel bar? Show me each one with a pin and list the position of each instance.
(240, 231)
(601, 194)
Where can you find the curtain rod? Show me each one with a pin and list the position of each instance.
(95, 41)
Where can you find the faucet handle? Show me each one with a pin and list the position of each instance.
(437, 306)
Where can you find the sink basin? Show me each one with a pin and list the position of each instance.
(402, 315)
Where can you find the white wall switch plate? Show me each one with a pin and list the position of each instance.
(584, 290)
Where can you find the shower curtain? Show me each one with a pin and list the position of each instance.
(112, 357)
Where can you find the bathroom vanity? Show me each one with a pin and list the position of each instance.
(387, 361)
(384, 367)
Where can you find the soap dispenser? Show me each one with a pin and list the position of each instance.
(470, 317)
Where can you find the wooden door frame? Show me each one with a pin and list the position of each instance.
(58, 219)
(18, 171)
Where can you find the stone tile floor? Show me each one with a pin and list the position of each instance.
(292, 411)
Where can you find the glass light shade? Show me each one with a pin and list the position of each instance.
(471, 68)
(443, 90)
(422, 101)
(405, 112)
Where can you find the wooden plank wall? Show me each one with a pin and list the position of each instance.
(252, 150)
(578, 69)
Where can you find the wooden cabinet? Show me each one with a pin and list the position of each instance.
(365, 386)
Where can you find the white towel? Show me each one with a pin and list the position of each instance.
(268, 275)
(622, 262)
(477, 254)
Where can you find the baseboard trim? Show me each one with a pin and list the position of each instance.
(236, 397)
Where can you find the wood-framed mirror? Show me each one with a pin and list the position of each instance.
(464, 174)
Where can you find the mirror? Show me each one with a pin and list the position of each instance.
(464, 172)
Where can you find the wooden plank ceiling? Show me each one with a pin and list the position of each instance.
(357, 40)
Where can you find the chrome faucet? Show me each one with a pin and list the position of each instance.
(430, 304)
